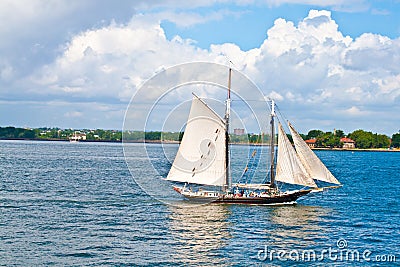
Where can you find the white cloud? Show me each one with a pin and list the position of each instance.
(373, 52)
(355, 111)
(25, 18)
(389, 85)
(275, 96)
(335, 69)
(112, 61)
(6, 72)
(309, 66)
(73, 114)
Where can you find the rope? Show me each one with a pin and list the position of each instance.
(249, 170)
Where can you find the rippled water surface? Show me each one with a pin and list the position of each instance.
(64, 204)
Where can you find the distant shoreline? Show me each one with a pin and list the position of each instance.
(177, 142)
(90, 141)
(359, 149)
(58, 140)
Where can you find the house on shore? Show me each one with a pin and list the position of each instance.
(311, 142)
(78, 136)
(347, 143)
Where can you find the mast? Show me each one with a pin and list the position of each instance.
(228, 181)
(272, 145)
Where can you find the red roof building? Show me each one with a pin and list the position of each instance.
(347, 142)
(311, 142)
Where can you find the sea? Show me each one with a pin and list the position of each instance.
(84, 204)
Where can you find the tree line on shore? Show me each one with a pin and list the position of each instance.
(363, 139)
(59, 134)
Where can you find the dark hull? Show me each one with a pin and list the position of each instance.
(289, 198)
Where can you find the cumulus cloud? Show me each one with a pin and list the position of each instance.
(112, 61)
(309, 66)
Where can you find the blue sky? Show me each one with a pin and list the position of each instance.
(77, 64)
(248, 30)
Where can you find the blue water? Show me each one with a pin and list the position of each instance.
(64, 204)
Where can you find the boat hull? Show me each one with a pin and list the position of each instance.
(282, 199)
(212, 197)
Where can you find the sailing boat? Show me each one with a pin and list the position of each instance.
(210, 164)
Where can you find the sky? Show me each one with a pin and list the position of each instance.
(77, 64)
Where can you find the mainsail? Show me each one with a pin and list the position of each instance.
(289, 168)
(310, 161)
(201, 155)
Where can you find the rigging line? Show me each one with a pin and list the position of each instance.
(265, 180)
(280, 113)
(282, 116)
(249, 169)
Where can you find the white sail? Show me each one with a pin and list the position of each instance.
(201, 156)
(310, 161)
(288, 167)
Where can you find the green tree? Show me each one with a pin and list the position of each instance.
(253, 138)
(339, 133)
(28, 134)
(12, 132)
(314, 134)
(133, 135)
(328, 139)
(381, 141)
(362, 138)
(153, 136)
(333, 141)
(396, 140)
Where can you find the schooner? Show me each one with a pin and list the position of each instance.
(203, 158)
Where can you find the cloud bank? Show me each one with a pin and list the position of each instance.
(320, 78)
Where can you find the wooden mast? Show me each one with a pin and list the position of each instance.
(272, 145)
(228, 181)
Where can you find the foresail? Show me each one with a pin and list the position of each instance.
(288, 167)
(310, 161)
(201, 155)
